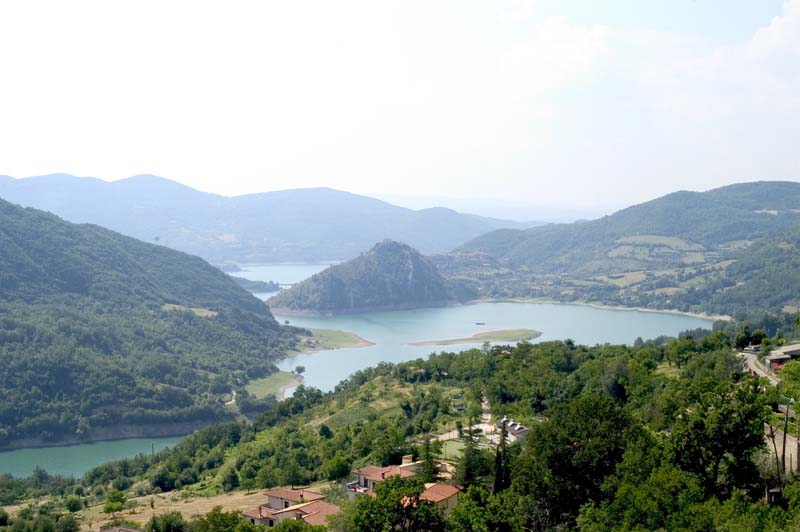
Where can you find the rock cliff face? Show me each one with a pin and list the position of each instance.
(390, 276)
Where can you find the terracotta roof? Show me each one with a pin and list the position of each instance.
(435, 492)
(294, 495)
(317, 511)
(261, 512)
(377, 474)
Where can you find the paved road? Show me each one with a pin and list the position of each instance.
(792, 444)
(792, 449)
(752, 363)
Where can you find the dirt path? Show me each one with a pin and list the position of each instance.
(233, 399)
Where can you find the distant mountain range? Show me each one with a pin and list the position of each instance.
(101, 334)
(390, 276)
(289, 225)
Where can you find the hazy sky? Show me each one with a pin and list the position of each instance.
(577, 103)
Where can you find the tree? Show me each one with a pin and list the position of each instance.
(567, 459)
(743, 337)
(430, 451)
(715, 438)
(291, 525)
(230, 479)
(115, 501)
(218, 521)
(73, 503)
(300, 369)
(325, 431)
(336, 467)
(67, 523)
(501, 465)
(167, 522)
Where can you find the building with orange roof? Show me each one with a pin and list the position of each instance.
(443, 496)
(367, 477)
(283, 504)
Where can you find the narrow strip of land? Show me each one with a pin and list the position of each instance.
(324, 339)
(503, 335)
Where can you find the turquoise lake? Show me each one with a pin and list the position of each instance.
(392, 332)
(75, 460)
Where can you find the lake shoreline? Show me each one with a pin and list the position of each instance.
(182, 429)
(604, 306)
(287, 312)
(280, 395)
(317, 314)
(359, 342)
(134, 432)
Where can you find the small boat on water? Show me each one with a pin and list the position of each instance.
(480, 323)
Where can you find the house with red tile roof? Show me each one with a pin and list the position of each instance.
(443, 496)
(283, 504)
(367, 477)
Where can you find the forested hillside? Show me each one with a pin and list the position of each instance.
(661, 436)
(679, 229)
(389, 276)
(766, 275)
(101, 333)
(289, 225)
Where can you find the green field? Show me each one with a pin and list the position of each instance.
(272, 385)
(505, 335)
(451, 449)
(658, 240)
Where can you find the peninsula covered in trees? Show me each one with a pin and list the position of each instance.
(390, 276)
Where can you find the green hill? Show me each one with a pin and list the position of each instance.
(763, 277)
(101, 333)
(389, 276)
(679, 229)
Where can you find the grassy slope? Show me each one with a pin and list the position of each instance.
(274, 384)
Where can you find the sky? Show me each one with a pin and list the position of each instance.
(574, 104)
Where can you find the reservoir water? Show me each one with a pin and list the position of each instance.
(392, 332)
(75, 460)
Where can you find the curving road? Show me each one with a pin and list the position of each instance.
(752, 363)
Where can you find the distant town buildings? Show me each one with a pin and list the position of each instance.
(515, 431)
